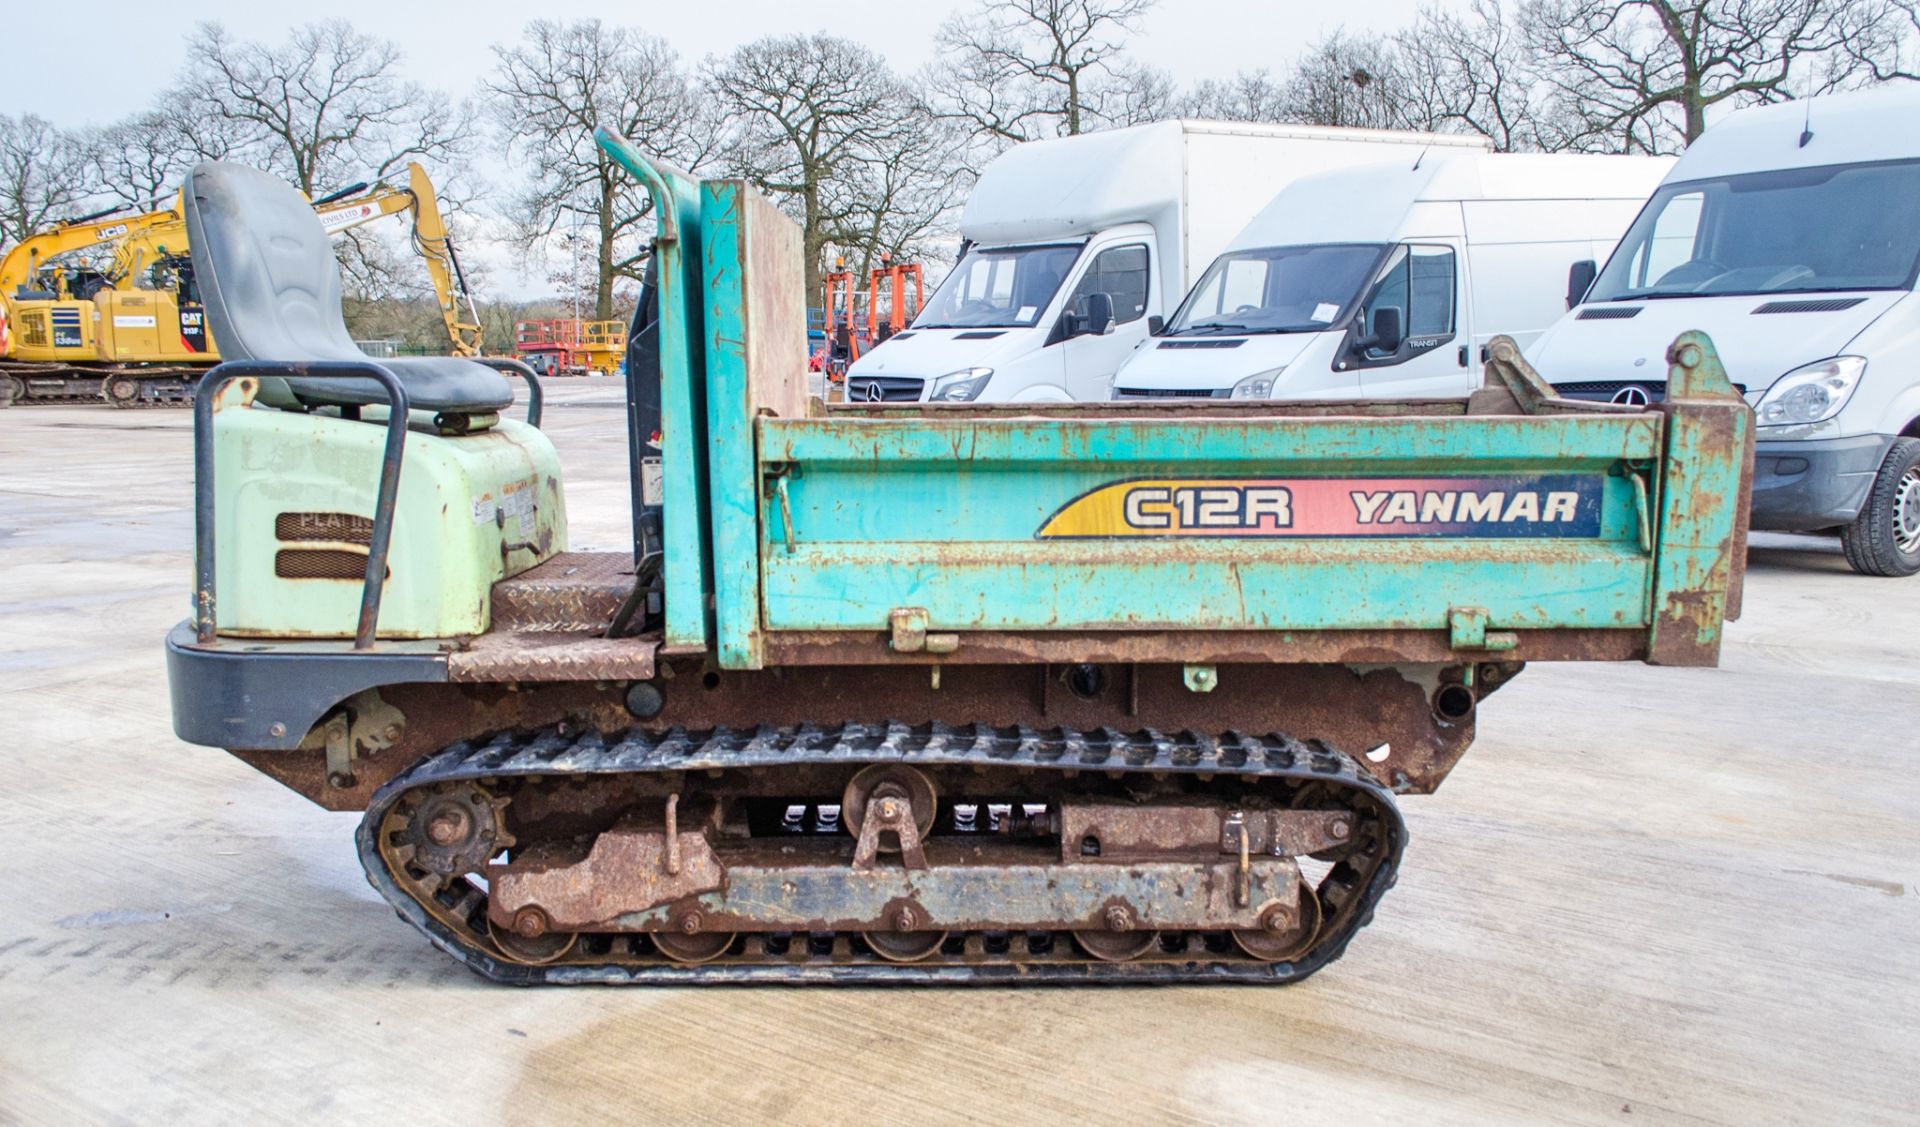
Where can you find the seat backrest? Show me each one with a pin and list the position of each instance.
(265, 267)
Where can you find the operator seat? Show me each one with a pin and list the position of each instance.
(271, 288)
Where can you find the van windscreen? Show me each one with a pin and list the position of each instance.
(999, 287)
(1802, 230)
(1297, 289)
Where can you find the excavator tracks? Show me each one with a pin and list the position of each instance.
(55, 385)
(769, 794)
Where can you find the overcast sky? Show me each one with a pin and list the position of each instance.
(88, 64)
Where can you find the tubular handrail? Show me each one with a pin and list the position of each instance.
(525, 371)
(386, 500)
(652, 173)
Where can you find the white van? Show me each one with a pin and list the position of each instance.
(1075, 246)
(1790, 234)
(1387, 280)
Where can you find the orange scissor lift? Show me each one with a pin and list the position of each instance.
(568, 347)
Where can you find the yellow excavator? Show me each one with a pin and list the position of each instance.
(105, 307)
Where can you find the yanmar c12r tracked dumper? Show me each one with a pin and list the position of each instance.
(942, 693)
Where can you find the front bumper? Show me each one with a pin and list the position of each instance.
(1814, 485)
(238, 693)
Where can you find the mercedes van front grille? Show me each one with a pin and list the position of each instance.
(884, 389)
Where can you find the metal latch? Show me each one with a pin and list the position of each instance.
(362, 726)
(1467, 630)
(910, 633)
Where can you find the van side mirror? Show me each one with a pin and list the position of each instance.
(1156, 324)
(1386, 335)
(1098, 319)
(1580, 278)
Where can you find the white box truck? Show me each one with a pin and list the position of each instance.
(1386, 280)
(1074, 247)
(1790, 234)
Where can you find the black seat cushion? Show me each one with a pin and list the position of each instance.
(272, 291)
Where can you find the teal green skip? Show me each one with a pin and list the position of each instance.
(792, 521)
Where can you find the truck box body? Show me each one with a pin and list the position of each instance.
(1132, 212)
(1486, 240)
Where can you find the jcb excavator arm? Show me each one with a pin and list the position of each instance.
(22, 262)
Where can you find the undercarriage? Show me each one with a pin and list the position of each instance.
(879, 853)
(36, 384)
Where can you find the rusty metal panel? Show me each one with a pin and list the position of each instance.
(755, 349)
(551, 657)
(993, 893)
(573, 591)
(1313, 444)
(1206, 586)
(1358, 647)
(1704, 481)
(1085, 523)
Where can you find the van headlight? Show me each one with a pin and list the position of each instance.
(1810, 394)
(963, 386)
(1259, 385)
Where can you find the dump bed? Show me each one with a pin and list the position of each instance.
(1515, 526)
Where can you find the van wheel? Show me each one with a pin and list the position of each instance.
(1885, 538)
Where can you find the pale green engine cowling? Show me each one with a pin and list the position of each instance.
(295, 502)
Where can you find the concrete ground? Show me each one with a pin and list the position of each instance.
(1647, 895)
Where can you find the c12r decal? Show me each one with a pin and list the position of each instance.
(1543, 505)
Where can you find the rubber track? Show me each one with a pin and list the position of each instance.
(190, 375)
(550, 753)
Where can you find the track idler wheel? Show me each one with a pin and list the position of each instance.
(1116, 946)
(904, 946)
(1286, 932)
(529, 942)
(894, 779)
(1121, 940)
(700, 947)
(686, 939)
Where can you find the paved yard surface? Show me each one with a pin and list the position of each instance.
(1646, 896)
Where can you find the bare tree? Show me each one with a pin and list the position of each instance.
(1641, 75)
(1250, 95)
(904, 199)
(1885, 41)
(549, 93)
(1350, 80)
(1472, 70)
(42, 176)
(144, 157)
(810, 119)
(325, 107)
(1018, 70)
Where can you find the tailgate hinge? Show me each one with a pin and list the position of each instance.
(910, 633)
(1467, 630)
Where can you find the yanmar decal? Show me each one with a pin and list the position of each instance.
(1543, 505)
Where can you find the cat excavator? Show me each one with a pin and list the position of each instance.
(106, 307)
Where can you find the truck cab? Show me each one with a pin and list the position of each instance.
(1388, 280)
(1022, 315)
(1790, 233)
(1132, 214)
